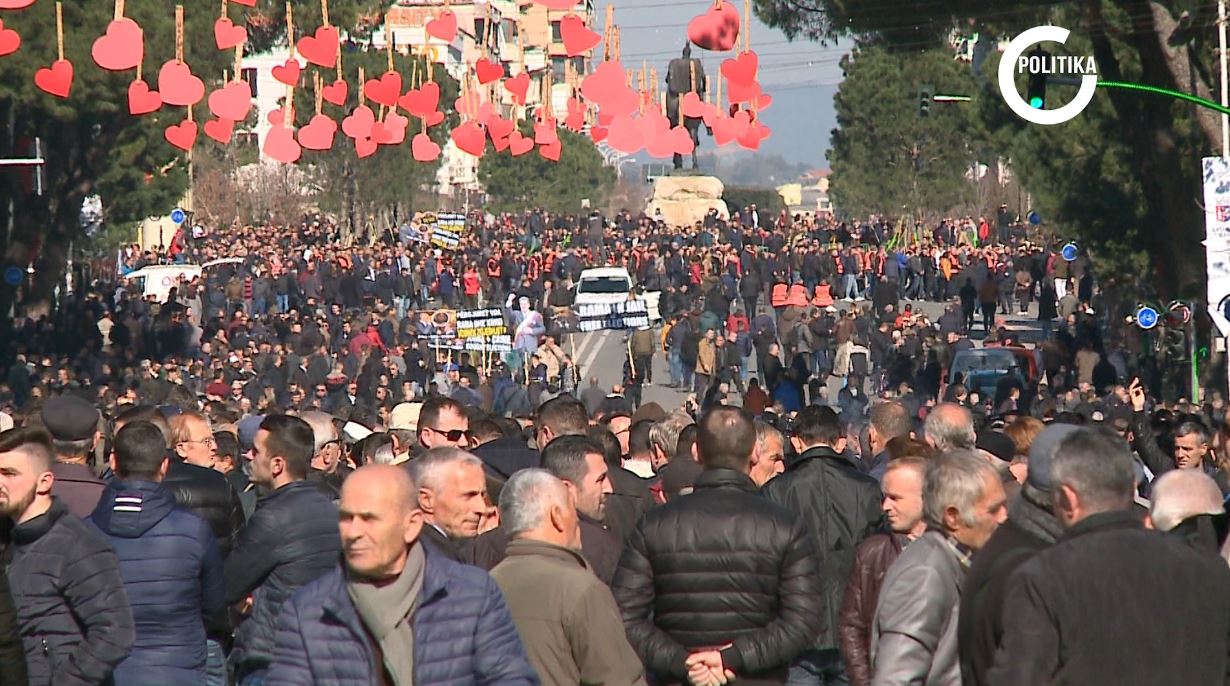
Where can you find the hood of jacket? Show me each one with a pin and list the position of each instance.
(129, 508)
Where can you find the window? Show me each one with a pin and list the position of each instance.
(557, 69)
(556, 37)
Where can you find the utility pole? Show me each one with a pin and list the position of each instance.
(1225, 102)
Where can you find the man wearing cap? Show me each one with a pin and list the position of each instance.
(1030, 528)
(403, 428)
(73, 425)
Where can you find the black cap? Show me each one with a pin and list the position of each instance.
(70, 418)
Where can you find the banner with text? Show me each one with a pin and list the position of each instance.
(627, 314)
(446, 229)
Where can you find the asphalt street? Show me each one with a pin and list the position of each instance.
(601, 354)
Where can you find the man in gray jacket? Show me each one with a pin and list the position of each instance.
(914, 634)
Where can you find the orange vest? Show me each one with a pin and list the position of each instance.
(798, 295)
(823, 297)
(777, 296)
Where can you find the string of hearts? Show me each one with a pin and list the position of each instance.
(622, 117)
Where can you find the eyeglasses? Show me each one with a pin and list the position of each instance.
(209, 442)
(453, 436)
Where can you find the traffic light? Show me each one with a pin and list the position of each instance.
(925, 94)
(1035, 91)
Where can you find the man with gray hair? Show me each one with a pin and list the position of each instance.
(914, 634)
(452, 493)
(949, 427)
(1102, 604)
(325, 469)
(1188, 504)
(769, 455)
(1030, 528)
(1191, 444)
(566, 617)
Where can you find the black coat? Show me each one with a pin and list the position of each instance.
(12, 657)
(840, 506)
(980, 626)
(629, 502)
(719, 566)
(75, 621)
(209, 494)
(1113, 603)
(291, 540)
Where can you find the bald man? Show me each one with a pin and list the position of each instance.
(1188, 503)
(949, 427)
(397, 600)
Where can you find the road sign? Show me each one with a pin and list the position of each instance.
(13, 275)
(178, 216)
(1146, 317)
(1069, 252)
(1034, 218)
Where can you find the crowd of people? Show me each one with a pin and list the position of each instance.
(278, 473)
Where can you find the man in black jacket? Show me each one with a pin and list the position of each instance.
(1030, 528)
(840, 505)
(72, 611)
(291, 540)
(12, 656)
(1099, 606)
(678, 589)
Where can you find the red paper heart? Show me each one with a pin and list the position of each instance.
(576, 115)
(519, 145)
(625, 135)
(760, 103)
(385, 89)
(142, 100)
(9, 41)
(320, 49)
(423, 148)
(227, 35)
(738, 92)
(319, 133)
(288, 72)
(692, 106)
(359, 124)
(500, 144)
(245, 3)
(178, 86)
(121, 47)
(545, 133)
(444, 26)
(56, 79)
(15, 4)
(622, 103)
(576, 36)
(500, 128)
(661, 145)
(608, 89)
(682, 141)
(470, 138)
(468, 104)
(365, 147)
(652, 124)
(485, 111)
(335, 92)
(750, 140)
(232, 101)
(433, 118)
(518, 86)
(716, 29)
(741, 70)
(280, 144)
(275, 117)
(181, 135)
(219, 130)
(723, 130)
(598, 133)
(421, 101)
(550, 152)
(487, 70)
(391, 131)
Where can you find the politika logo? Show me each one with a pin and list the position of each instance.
(1015, 61)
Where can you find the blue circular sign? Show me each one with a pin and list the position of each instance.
(1069, 252)
(13, 275)
(178, 216)
(1146, 318)
(1034, 218)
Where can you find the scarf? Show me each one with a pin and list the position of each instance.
(387, 612)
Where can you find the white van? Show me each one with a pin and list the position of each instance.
(604, 285)
(158, 279)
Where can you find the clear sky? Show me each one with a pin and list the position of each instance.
(801, 76)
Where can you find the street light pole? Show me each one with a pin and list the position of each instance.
(1225, 102)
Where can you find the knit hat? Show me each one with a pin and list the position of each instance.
(1042, 451)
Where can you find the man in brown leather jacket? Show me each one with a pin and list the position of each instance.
(903, 510)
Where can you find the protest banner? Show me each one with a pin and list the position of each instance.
(445, 229)
(626, 314)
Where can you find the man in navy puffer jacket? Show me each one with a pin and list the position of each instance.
(169, 561)
(397, 611)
